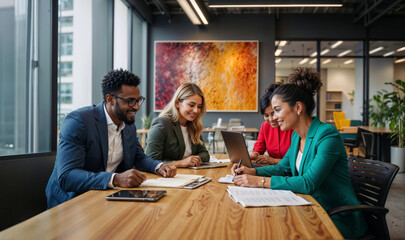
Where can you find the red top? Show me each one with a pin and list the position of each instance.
(275, 141)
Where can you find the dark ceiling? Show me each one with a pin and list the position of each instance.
(362, 10)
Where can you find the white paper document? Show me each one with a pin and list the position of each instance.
(214, 159)
(180, 180)
(226, 179)
(260, 197)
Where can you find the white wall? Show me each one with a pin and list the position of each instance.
(381, 71)
(342, 79)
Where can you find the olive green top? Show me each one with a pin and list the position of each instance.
(165, 142)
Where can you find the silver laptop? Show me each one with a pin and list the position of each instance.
(236, 147)
(208, 165)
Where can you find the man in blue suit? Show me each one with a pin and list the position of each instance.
(98, 148)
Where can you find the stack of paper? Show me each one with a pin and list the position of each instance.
(214, 159)
(180, 180)
(258, 197)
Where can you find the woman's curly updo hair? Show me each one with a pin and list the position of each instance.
(303, 84)
(113, 81)
(265, 101)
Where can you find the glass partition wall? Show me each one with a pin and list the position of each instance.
(341, 68)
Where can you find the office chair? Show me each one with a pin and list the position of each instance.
(371, 180)
(368, 141)
(352, 143)
(337, 116)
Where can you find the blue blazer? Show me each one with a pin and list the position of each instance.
(323, 173)
(81, 158)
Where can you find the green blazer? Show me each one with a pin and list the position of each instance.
(165, 142)
(323, 173)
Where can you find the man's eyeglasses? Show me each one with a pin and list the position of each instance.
(132, 101)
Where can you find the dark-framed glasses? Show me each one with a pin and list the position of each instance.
(131, 101)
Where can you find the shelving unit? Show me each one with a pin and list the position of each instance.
(333, 104)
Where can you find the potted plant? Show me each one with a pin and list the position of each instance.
(146, 121)
(395, 115)
(378, 110)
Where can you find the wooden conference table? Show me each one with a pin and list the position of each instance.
(206, 212)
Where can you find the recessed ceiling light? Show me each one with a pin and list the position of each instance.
(327, 61)
(303, 61)
(389, 54)
(348, 61)
(344, 53)
(336, 44)
(314, 54)
(400, 60)
(278, 52)
(325, 52)
(278, 60)
(313, 61)
(401, 49)
(376, 50)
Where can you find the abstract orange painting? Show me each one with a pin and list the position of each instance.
(226, 71)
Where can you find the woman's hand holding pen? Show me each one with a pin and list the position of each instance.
(246, 180)
(243, 170)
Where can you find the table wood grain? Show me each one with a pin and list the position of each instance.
(203, 213)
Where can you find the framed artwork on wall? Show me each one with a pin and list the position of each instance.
(226, 71)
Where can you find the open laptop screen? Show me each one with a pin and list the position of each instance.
(236, 146)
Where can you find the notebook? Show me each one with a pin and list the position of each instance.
(236, 147)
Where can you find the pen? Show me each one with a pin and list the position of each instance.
(240, 162)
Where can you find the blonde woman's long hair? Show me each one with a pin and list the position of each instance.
(195, 127)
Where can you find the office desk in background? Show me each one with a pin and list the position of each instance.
(206, 212)
(255, 131)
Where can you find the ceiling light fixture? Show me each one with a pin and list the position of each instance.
(273, 3)
(282, 43)
(336, 44)
(278, 52)
(314, 54)
(199, 11)
(388, 54)
(401, 49)
(348, 61)
(189, 12)
(325, 52)
(376, 50)
(313, 61)
(344, 53)
(327, 61)
(303, 61)
(278, 60)
(400, 60)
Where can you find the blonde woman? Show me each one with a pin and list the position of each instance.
(175, 136)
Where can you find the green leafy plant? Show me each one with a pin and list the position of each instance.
(395, 113)
(378, 109)
(146, 121)
(351, 94)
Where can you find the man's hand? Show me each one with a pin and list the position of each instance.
(167, 170)
(129, 178)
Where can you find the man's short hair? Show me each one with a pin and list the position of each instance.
(113, 81)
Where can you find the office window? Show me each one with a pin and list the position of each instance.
(65, 93)
(66, 21)
(66, 69)
(65, 5)
(75, 67)
(66, 44)
(120, 35)
(25, 95)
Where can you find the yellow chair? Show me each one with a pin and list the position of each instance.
(345, 123)
(337, 116)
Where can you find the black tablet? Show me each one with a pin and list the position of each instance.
(137, 195)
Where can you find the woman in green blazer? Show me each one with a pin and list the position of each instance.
(316, 162)
(175, 136)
